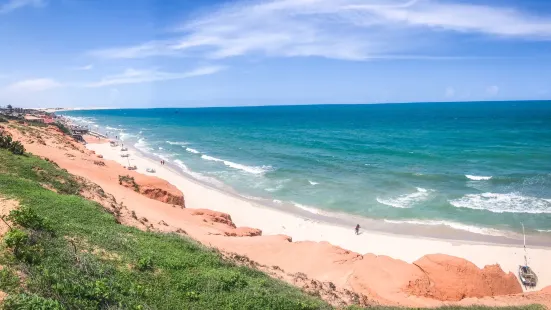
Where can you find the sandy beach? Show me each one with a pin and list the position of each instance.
(274, 222)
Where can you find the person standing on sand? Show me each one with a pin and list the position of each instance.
(357, 229)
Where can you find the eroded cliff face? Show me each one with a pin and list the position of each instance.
(450, 278)
(154, 189)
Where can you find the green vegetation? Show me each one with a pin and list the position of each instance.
(74, 255)
(63, 128)
(65, 252)
(128, 180)
(14, 146)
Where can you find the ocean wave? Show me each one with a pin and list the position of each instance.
(249, 169)
(454, 225)
(163, 156)
(194, 151)
(408, 200)
(196, 175)
(307, 208)
(277, 201)
(142, 145)
(478, 178)
(124, 136)
(177, 143)
(313, 183)
(111, 128)
(503, 203)
(544, 230)
(160, 148)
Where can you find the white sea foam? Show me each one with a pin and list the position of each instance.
(196, 175)
(160, 148)
(277, 201)
(111, 128)
(249, 169)
(313, 183)
(307, 208)
(408, 200)
(454, 225)
(142, 145)
(194, 151)
(162, 156)
(544, 230)
(503, 203)
(125, 135)
(177, 143)
(478, 178)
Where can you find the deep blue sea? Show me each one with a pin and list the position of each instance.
(483, 167)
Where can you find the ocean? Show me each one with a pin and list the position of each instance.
(483, 167)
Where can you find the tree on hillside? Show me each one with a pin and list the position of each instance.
(9, 107)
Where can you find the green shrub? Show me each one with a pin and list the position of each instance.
(30, 302)
(28, 218)
(23, 246)
(145, 264)
(16, 238)
(5, 141)
(17, 148)
(63, 128)
(9, 281)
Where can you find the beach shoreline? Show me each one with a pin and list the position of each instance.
(304, 228)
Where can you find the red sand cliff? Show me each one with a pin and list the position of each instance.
(433, 280)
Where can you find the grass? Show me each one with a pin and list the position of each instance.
(65, 252)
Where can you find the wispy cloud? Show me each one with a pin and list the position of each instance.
(84, 68)
(33, 85)
(12, 5)
(132, 76)
(338, 29)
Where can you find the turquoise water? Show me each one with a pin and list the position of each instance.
(465, 165)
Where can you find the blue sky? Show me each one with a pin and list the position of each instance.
(146, 53)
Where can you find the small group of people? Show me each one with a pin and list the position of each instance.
(162, 162)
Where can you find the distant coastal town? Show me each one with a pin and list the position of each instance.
(46, 116)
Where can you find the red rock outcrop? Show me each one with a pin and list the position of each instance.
(450, 278)
(214, 216)
(162, 195)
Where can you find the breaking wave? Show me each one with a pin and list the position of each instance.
(454, 225)
(503, 203)
(478, 178)
(408, 200)
(194, 151)
(249, 169)
(177, 143)
(307, 208)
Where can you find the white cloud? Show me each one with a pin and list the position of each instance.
(12, 5)
(84, 68)
(450, 92)
(33, 85)
(132, 76)
(338, 29)
(492, 91)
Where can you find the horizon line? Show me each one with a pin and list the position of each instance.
(287, 105)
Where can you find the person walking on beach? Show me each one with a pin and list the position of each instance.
(357, 229)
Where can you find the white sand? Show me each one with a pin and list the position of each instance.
(270, 221)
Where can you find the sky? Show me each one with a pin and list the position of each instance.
(170, 53)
